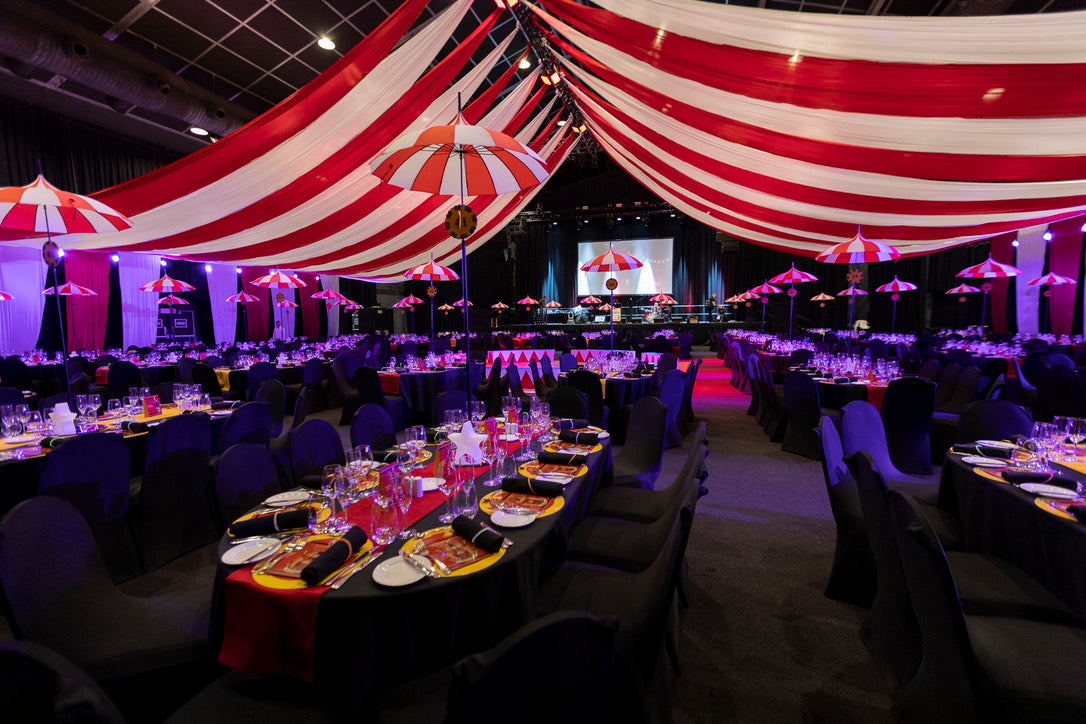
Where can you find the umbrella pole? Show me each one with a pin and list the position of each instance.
(764, 305)
(431, 323)
(983, 311)
(791, 308)
(611, 314)
(464, 275)
(893, 318)
(63, 341)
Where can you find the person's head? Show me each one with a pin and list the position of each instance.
(712, 296)
(278, 324)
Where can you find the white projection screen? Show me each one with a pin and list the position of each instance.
(654, 276)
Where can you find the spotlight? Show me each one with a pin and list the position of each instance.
(238, 270)
(60, 252)
(618, 218)
(162, 262)
(325, 43)
(115, 258)
(1047, 236)
(197, 131)
(1015, 243)
(207, 268)
(561, 122)
(1083, 229)
(503, 4)
(525, 64)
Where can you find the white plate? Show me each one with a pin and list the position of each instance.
(509, 438)
(20, 439)
(511, 520)
(431, 484)
(281, 500)
(1049, 491)
(982, 462)
(250, 551)
(396, 572)
(1001, 444)
(554, 478)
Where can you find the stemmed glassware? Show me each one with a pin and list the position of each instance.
(1040, 438)
(450, 485)
(334, 487)
(401, 491)
(490, 456)
(478, 412)
(9, 421)
(524, 433)
(1076, 432)
(1060, 426)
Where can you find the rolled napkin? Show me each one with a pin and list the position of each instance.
(1079, 511)
(385, 456)
(225, 405)
(197, 413)
(532, 487)
(843, 380)
(561, 458)
(52, 441)
(985, 450)
(1017, 477)
(567, 423)
(583, 438)
(478, 534)
(133, 426)
(334, 556)
(272, 523)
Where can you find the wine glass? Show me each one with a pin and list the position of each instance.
(8, 420)
(478, 412)
(402, 492)
(490, 457)
(449, 485)
(1076, 432)
(524, 433)
(115, 408)
(330, 475)
(22, 414)
(93, 403)
(1039, 438)
(1060, 423)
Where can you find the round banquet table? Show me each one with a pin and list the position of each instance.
(364, 637)
(420, 388)
(233, 380)
(838, 394)
(1001, 519)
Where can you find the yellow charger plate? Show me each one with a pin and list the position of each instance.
(1052, 507)
(531, 470)
(557, 447)
(325, 511)
(282, 583)
(556, 504)
(479, 565)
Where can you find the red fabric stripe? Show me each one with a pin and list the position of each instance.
(86, 323)
(257, 312)
(522, 115)
(541, 139)
(268, 130)
(478, 107)
(1064, 258)
(939, 166)
(853, 86)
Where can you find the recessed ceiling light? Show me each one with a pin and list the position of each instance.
(525, 64)
(562, 122)
(197, 131)
(326, 43)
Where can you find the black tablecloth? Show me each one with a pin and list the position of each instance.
(420, 388)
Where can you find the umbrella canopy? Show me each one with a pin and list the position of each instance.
(896, 286)
(279, 280)
(963, 289)
(71, 289)
(446, 307)
(733, 299)
(612, 261)
(42, 208)
(404, 304)
(337, 302)
(352, 305)
(552, 304)
(668, 300)
(460, 303)
(460, 159)
(412, 299)
(747, 296)
(1052, 279)
(243, 298)
(499, 305)
(330, 294)
(172, 300)
(527, 301)
(5, 297)
(793, 276)
(286, 303)
(851, 292)
(766, 288)
(590, 301)
(659, 298)
(167, 285)
(858, 250)
(989, 269)
(431, 271)
(822, 297)
(606, 308)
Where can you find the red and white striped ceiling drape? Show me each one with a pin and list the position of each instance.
(293, 188)
(791, 129)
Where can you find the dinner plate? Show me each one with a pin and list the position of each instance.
(982, 462)
(511, 520)
(20, 439)
(431, 484)
(1001, 444)
(555, 478)
(396, 572)
(1049, 491)
(281, 500)
(250, 551)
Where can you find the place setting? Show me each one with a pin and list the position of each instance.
(462, 548)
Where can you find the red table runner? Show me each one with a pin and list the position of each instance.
(390, 382)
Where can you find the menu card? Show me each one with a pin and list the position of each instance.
(291, 565)
(452, 550)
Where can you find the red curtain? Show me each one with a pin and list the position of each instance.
(87, 315)
(309, 307)
(1003, 252)
(1064, 258)
(258, 310)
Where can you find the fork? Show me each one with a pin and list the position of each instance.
(293, 544)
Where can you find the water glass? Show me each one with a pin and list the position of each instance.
(1076, 432)
(402, 492)
(384, 520)
(449, 485)
(467, 499)
(115, 408)
(524, 433)
(478, 412)
(1060, 425)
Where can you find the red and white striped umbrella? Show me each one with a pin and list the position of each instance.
(590, 301)
(858, 250)
(337, 302)
(446, 308)
(822, 297)
(279, 280)
(412, 299)
(668, 300)
(552, 304)
(352, 306)
(733, 299)
(431, 271)
(404, 304)
(172, 300)
(42, 208)
(1052, 279)
(499, 305)
(527, 301)
(851, 292)
(330, 294)
(989, 269)
(460, 303)
(460, 159)
(793, 276)
(766, 288)
(963, 289)
(5, 297)
(71, 289)
(167, 285)
(243, 298)
(606, 308)
(612, 261)
(896, 286)
(747, 296)
(659, 298)
(286, 303)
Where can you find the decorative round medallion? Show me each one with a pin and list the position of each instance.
(1048, 292)
(895, 296)
(822, 305)
(792, 291)
(986, 287)
(280, 297)
(612, 284)
(855, 276)
(431, 291)
(748, 305)
(50, 252)
(460, 222)
(961, 298)
(765, 300)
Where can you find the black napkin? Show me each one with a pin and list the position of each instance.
(985, 450)
(273, 523)
(433, 435)
(134, 426)
(197, 413)
(1079, 511)
(478, 534)
(385, 456)
(581, 438)
(334, 556)
(1018, 477)
(843, 380)
(52, 442)
(561, 458)
(532, 487)
(566, 423)
(225, 405)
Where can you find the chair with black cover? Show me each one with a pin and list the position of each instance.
(589, 383)
(368, 382)
(11, 396)
(173, 515)
(272, 392)
(541, 389)
(906, 418)
(451, 400)
(963, 395)
(568, 402)
(671, 392)
(345, 391)
(245, 474)
(852, 575)
(944, 386)
(638, 463)
(862, 430)
(803, 411)
(39, 685)
(1060, 393)
(58, 594)
(183, 370)
(408, 348)
(164, 392)
(259, 372)
(47, 404)
(80, 384)
(207, 379)
(515, 383)
(930, 369)
(665, 364)
(961, 356)
(567, 362)
(15, 373)
(90, 471)
(314, 444)
(548, 372)
(978, 667)
(213, 361)
(373, 426)
(686, 413)
(660, 343)
(994, 420)
(312, 380)
(122, 376)
(249, 423)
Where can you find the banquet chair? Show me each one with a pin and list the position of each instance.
(567, 362)
(15, 373)
(164, 392)
(513, 381)
(312, 380)
(372, 426)
(346, 392)
(259, 372)
(686, 413)
(802, 409)
(966, 385)
(671, 392)
(929, 370)
(368, 382)
(57, 593)
(979, 667)
(906, 418)
(491, 390)
(314, 444)
(852, 574)
(568, 402)
(665, 364)
(862, 430)
(47, 404)
(637, 465)
(944, 386)
(39, 685)
(207, 379)
(961, 356)
(214, 360)
(1059, 392)
(11, 396)
(245, 474)
(548, 372)
(183, 370)
(450, 400)
(90, 471)
(249, 423)
(994, 420)
(273, 393)
(661, 343)
(122, 376)
(408, 348)
(80, 384)
(541, 388)
(589, 383)
(173, 514)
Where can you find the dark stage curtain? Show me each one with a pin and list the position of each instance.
(53, 320)
(199, 300)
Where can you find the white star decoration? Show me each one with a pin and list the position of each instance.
(469, 445)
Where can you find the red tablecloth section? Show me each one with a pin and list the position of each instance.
(390, 382)
(875, 393)
(101, 376)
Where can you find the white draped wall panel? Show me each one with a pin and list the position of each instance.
(22, 275)
(139, 309)
(1030, 260)
(222, 283)
(330, 281)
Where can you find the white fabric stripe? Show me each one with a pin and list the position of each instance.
(526, 134)
(139, 310)
(307, 149)
(1044, 38)
(1031, 136)
(332, 282)
(816, 175)
(222, 283)
(1030, 260)
(499, 116)
(22, 275)
(786, 205)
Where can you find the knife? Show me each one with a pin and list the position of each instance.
(416, 563)
(346, 576)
